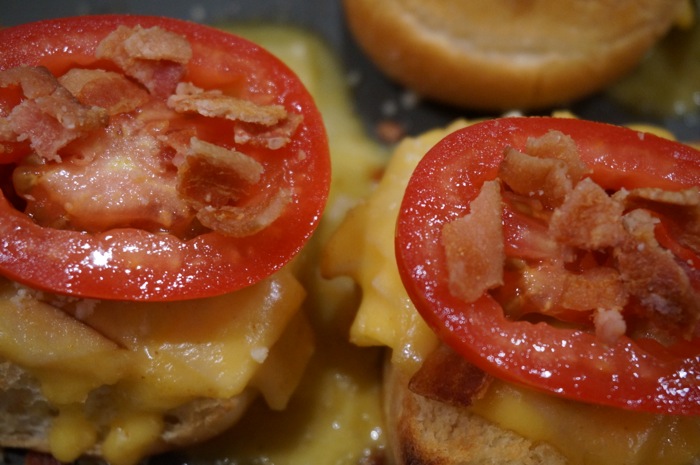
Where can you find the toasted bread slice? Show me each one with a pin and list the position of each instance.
(25, 415)
(422, 431)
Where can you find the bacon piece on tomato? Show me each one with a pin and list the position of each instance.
(153, 56)
(105, 89)
(49, 116)
(476, 265)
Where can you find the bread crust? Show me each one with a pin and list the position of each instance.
(504, 54)
(25, 415)
(421, 431)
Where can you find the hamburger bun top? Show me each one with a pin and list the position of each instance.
(507, 54)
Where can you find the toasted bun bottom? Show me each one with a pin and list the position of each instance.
(504, 55)
(26, 415)
(426, 432)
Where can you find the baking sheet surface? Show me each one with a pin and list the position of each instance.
(376, 99)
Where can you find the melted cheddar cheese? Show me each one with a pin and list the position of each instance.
(364, 249)
(138, 362)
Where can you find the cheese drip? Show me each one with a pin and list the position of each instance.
(335, 415)
(115, 370)
(387, 317)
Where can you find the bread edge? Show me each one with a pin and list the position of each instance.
(421, 431)
(26, 416)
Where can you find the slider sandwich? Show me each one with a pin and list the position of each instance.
(535, 281)
(159, 180)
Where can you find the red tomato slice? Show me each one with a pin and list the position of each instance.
(133, 264)
(632, 374)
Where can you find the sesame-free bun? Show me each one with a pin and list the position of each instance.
(27, 416)
(508, 54)
(422, 431)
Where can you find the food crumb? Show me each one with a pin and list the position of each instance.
(390, 131)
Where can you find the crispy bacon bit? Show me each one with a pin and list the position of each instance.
(653, 275)
(215, 104)
(687, 198)
(213, 179)
(35, 81)
(242, 221)
(559, 146)
(681, 208)
(551, 288)
(548, 169)
(268, 126)
(390, 131)
(588, 218)
(474, 245)
(545, 179)
(465, 383)
(215, 176)
(179, 140)
(576, 253)
(543, 286)
(154, 57)
(599, 287)
(272, 138)
(50, 116)
(111, 91)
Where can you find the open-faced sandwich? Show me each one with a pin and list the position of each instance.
(159, 179)
(536, 280)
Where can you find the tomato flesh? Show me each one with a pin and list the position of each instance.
(639, 374)
(127, 254)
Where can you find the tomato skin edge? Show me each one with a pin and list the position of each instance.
(63, 262)
(637, 375)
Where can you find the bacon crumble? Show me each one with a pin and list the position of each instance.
(588, 218)
(246, 220)
(617, 259)
(273, 138)
(476, 265)
(216, 104)
(653, 275)
(544, 179)
(554, 289)
(106, 89)
(136, 107)
(50, 116)
(681, 207)
(154, 57)
(269, 126)
(212, 176)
